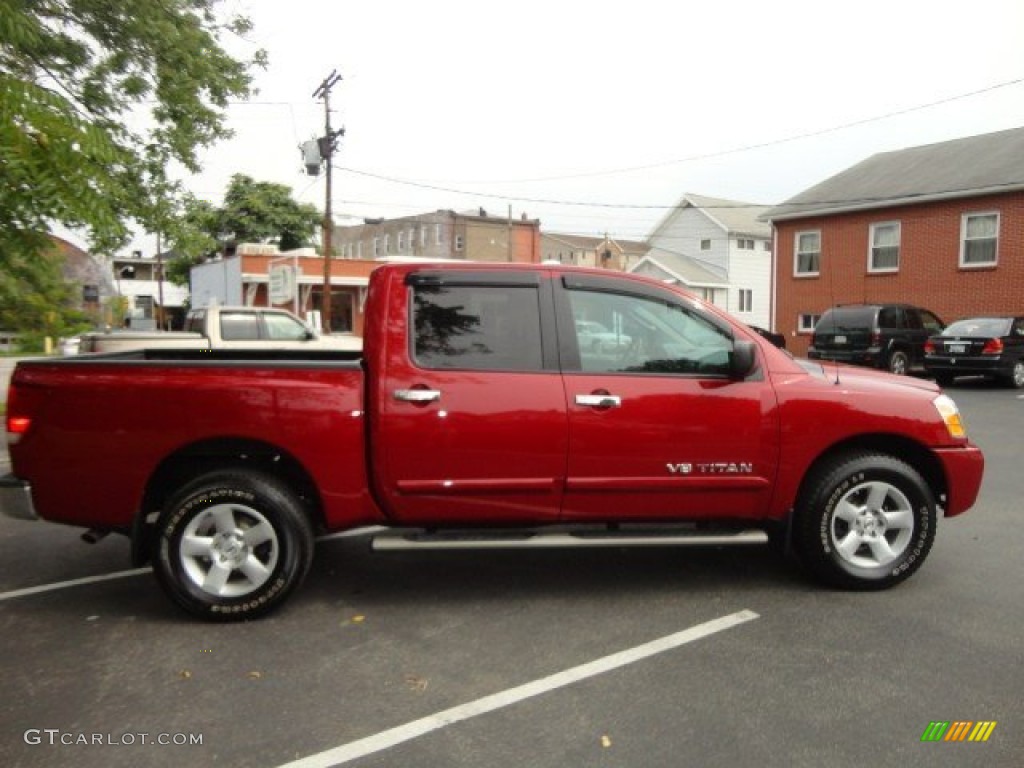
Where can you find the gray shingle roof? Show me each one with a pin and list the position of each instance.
(683, 268)
(969, 167)
(734, 216)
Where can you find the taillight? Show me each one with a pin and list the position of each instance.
(22, 403)
(876, 339)
(993, 347)
(929, 347)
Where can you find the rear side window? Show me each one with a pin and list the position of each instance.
(239, 326)
(847, 319)
(487, 328)
(890, 317)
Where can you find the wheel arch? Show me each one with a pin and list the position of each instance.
(212, 455)
(903, 448)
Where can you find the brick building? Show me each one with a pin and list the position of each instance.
(940, 226)
(475, 236)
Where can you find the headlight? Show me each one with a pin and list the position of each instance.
(950, 415)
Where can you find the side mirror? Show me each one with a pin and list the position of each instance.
(742, 359)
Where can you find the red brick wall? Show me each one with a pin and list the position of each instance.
(929, 275)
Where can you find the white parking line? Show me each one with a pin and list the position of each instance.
(72, 583)
(394, 736)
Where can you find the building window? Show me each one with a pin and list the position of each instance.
(885, 247)
(359, 249)
(437, 234)
(745, 245)
(807, 260)
(401, 242)
(767, 245)
(805, 323)
(979, 239)
(423, 237)
(705, 245)
(458, 242)
(387, 244)
(376, 246)
(746, 300)
(412, 241)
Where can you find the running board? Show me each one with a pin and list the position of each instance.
(407, 540)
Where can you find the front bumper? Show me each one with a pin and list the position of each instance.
(964, 468)
(16, 498)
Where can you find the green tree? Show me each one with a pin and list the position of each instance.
(253, 212)
(35, 302)
(99, 101)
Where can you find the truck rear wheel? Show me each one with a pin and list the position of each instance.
(865, 521)
(232, 545)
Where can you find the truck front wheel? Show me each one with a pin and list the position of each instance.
(864, 521)
(232, 545)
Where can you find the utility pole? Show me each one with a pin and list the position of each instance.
(327, 147)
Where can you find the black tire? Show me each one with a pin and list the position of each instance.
(1015, 378)
(898, 362)
(864, 521)
(232, 545)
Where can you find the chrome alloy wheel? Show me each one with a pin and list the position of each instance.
(872, 525)
(229, 550)
(1017, 378)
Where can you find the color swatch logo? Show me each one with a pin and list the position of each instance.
(958, 730)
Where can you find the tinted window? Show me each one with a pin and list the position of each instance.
(930, 321)
(847, 319)
(477, 327)
(890, 317)
(239, 326)
(646, 336)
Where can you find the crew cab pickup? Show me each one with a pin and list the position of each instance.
(475, 417)
(220, 327)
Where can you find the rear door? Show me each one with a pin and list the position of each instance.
(468, 421)
(657, 429)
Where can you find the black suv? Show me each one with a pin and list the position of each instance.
(887, 336)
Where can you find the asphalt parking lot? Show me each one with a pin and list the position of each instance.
(617, 657)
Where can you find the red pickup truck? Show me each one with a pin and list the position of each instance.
(475, 416)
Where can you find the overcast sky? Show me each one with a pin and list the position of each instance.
(598, 116)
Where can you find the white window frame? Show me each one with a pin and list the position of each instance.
(797, 253)
(437, 234)
(806, 321)
(376, 246)
(401, 241)
(964, 219)
(875, 228)
(359, 249)
(458, 242)
(746, 300)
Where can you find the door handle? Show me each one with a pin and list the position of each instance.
(417, 395)
(599, 401)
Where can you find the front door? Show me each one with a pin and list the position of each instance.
(657, 429)
(468, 424)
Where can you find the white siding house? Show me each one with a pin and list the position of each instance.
(718, 249)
